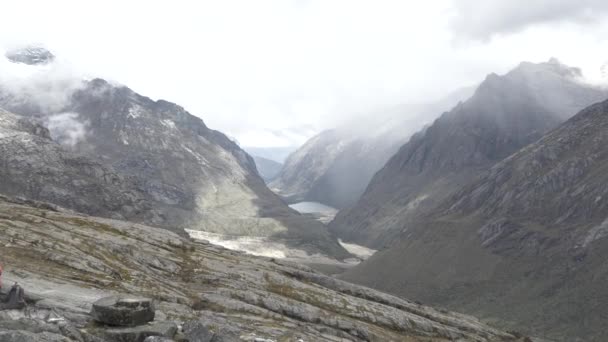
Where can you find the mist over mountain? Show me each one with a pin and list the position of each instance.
(505, 113)
(182, 174)
(526, 238)
(304, 171)
(30, 55)
(335, 166)
(267, 168)
(277, 154)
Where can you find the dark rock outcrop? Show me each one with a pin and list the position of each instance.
(15, 299)
(123, 311)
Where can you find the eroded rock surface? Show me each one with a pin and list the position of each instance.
(71, 261)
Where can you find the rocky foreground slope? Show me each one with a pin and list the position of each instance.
(505, 113)
(66, 261)
(524, 244)
(106, 150)
(335, 166)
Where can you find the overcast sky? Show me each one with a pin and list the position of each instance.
(272, 73)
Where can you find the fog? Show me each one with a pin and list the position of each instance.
(274, 73)
(66, 128)
(49, 86)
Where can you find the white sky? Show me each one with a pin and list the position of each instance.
(273, 73)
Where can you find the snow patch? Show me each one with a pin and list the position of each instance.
(66, 129)
(201, 160)
(264, 247)
(134, 112)
(251, 245)
(596, 233)
(168, 123)
(413, 204)
(358, 250)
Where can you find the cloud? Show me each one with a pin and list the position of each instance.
(48, 87)
(66, 129)
(483, 19)
(254, 68)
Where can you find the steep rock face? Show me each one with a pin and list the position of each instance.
(335, 166)
(34, 166)
(188, 175)
(505, 113)
(525, 243)
(67, 262)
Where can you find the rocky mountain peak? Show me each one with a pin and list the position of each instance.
(531, 230)
(553, 66)
(31, 55)
(506, 113)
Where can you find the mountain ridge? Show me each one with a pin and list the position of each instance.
(335, 166)
(505, 113)
(525, 239)
(192, 176)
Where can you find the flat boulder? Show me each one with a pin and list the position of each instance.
(123, 311)
(158, 330)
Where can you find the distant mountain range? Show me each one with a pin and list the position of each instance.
(505, 114)
(499, 208)
(268, 169)
(277, 154)
(335, 166)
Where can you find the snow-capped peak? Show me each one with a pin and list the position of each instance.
(30, 55)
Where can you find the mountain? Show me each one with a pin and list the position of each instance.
(34, 166)
(66, 262)
(335, 166)
(277, 154)
(189, 175)
(267, 168)
(525, 243)
(32, 55)
(505, 113)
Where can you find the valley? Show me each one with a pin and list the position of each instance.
(304, 171)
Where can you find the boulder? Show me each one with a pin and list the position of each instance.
(141, 333)
(195, 331)
(123, 311)
(15, 299)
